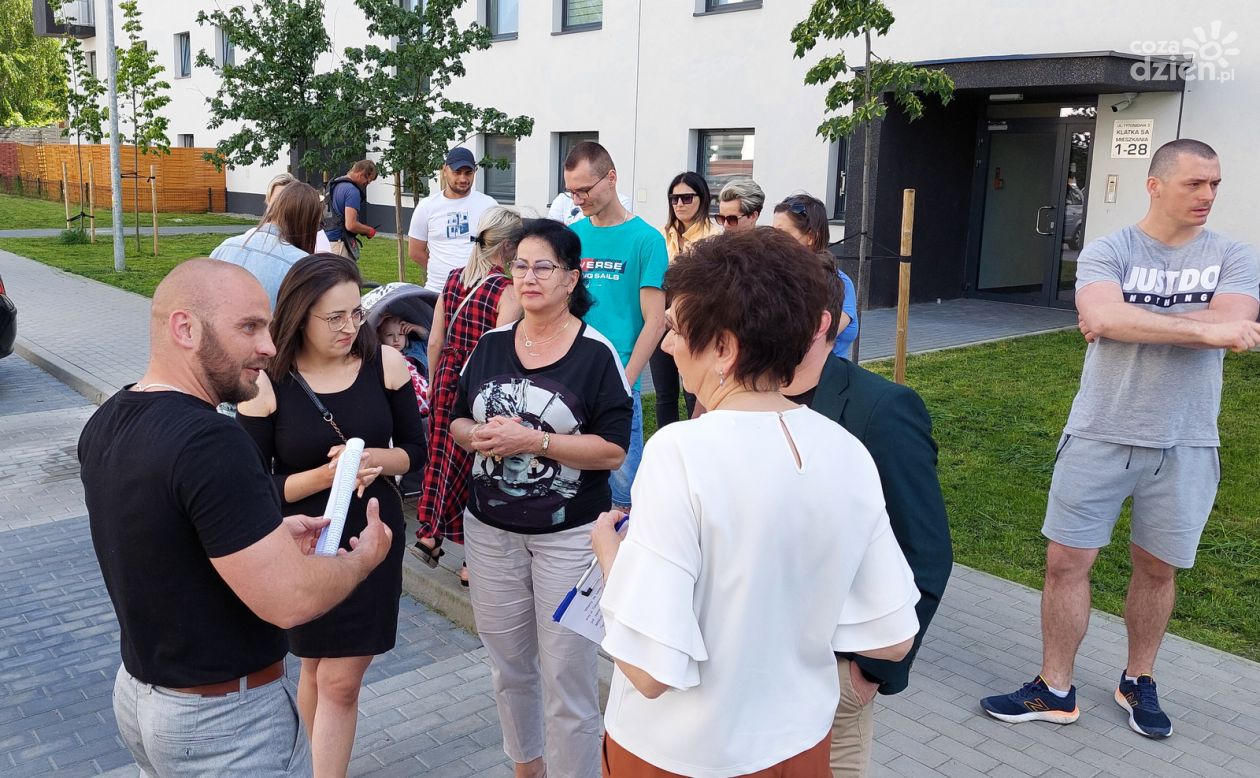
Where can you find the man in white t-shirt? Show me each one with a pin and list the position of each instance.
(444, 223)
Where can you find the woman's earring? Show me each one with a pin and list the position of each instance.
(721, 377)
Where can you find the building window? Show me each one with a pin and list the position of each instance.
(185, 140)
(91, 62)
(501, 184)
(224, 51)
(842, 167)
(710, 6)
(501, 18)
(723, 155)
(581, 15)
(183, 55)
(566, 142)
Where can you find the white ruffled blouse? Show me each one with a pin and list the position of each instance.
(740, 576)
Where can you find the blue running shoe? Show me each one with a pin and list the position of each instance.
(1142, 703)
(1034, 702)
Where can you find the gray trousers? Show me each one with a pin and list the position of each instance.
(545, 677)
(256, 732)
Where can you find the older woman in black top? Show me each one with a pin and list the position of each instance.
(329, 379)
(545, 406)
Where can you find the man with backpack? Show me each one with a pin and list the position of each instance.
(343, 203)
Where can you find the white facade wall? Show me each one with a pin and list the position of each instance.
(656, 73)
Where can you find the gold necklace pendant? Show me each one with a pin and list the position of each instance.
(530, 342)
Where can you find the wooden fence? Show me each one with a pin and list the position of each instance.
(185, 181)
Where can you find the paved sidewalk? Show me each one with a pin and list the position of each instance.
(103, 233)
(429, 714)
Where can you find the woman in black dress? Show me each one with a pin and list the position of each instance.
(325, 360)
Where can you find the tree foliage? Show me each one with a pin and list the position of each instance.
(406, 83)
(140, 83)
(84, 91)
(32, 69)
(838, 20)
(275, 93)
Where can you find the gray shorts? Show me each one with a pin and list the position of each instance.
(1173, 490)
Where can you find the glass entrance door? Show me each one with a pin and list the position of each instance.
(1035, 194)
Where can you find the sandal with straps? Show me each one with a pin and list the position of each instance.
(428, 554)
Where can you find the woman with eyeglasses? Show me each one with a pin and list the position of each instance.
(544, 406)
(805, 218)
(474, 300)
(330, 381)
(689, 223)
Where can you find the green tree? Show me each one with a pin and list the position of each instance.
(275, 93)
(839, 20)
(32, 70)
(141, 85)
(405, 85)
(84, 111)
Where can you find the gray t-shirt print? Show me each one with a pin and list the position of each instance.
(1149, 394)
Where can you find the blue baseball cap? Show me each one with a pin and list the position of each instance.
(460, 157)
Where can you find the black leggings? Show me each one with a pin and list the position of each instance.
(665, 379)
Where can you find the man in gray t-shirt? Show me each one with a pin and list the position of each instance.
(1159, 303)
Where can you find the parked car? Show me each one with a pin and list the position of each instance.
(8, 322)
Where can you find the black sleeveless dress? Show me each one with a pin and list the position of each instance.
(296, 438)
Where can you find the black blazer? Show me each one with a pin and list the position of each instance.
(893, 423)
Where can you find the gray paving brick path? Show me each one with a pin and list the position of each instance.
(103, 233)
(40, 418)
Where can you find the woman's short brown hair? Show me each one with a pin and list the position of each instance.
(763, 288)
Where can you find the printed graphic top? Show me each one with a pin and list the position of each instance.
(448, 225)
(582, 393)
(1155, 395)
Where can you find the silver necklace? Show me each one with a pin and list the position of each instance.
(147, 387)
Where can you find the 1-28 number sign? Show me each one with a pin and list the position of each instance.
(1131, 138)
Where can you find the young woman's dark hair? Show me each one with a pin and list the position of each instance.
(307, 281)
(567, 247)
(761, 287)
(810, 217)
(296, 211)
(700, 187)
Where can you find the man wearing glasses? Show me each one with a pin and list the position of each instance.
(739, 205)
(444, 222)
(623, 262)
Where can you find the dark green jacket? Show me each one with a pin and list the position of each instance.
(894, 425)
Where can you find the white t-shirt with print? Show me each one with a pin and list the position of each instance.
(448, 226)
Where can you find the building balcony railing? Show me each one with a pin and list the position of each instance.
(73, 19)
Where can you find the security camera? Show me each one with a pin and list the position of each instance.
(1129, 99)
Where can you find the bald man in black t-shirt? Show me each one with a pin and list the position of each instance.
(203, 571)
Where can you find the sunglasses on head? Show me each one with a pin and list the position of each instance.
(685, 199)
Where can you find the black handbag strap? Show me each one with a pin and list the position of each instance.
(328, 417)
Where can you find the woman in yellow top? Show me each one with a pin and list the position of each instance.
(689, 223)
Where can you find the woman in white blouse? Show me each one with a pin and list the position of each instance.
(759, 544)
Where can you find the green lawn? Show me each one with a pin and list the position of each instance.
(28, 213)
(998, 410)
(379, 262)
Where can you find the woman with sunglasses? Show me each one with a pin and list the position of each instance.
(545, 407)
(329, 381)
(688, 224)
(805, 218)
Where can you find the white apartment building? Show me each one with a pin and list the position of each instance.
(1045, 146)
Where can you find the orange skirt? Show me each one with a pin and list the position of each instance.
(813, 763)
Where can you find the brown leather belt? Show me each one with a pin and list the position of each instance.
(268, 674)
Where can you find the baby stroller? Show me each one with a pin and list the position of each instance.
(414, 304)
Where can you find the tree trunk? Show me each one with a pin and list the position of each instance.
(864, 238)
(135, 154)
